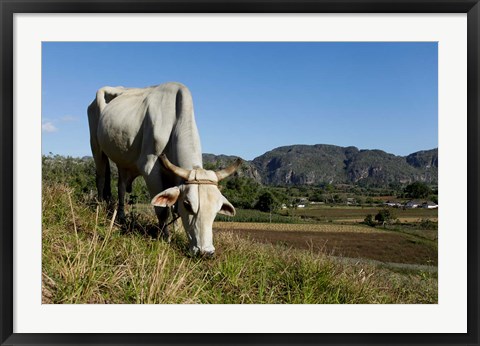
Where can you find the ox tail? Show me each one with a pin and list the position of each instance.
(102, 163)
(107, 189)
(107, 94)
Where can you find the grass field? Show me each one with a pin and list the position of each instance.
(87, 258)
(242, 215)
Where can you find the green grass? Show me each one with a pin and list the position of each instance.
(243, 215)
(88, 259)
(252, 215)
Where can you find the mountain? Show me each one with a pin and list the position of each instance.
(247, 169)
(304, 164)
(321, 163)
(423, 159)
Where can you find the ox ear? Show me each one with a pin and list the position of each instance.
(227, 208)
(166, 198)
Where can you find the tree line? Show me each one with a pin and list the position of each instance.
(241, 191)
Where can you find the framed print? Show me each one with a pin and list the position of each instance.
(324, 190)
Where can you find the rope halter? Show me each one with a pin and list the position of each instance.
(201, 182)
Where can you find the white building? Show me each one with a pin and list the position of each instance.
(430, 205)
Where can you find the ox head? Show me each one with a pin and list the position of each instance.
(199, 200)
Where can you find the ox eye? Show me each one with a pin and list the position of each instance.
(188, 206)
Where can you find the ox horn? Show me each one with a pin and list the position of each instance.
(222, 174)
(181, 172)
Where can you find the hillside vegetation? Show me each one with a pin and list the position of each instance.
(317, 164)
(298, 165)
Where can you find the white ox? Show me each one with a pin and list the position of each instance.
(137, 128)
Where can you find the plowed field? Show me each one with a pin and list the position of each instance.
(340, 240)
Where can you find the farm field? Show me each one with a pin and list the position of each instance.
(357, 214)
(88, 259)
(340, 240)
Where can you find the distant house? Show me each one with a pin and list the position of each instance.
(392, 204)
(413, 204)
(351, 201)
(430, 205)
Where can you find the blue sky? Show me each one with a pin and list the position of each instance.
(252, 97)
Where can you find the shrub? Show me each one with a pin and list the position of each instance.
(417, 190)
(428, 224)
(385, 215)
(266, 202)
(369, 220)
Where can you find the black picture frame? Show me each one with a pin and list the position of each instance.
(10, 7)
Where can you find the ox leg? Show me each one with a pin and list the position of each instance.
(102, 166)
(157, 182)
(121, 202)
(123, 182)
(162, 215)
